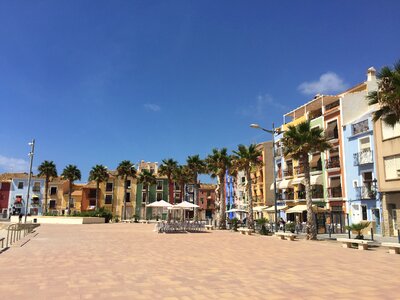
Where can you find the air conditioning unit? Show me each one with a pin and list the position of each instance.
(355, 183)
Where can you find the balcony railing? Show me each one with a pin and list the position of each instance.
(360, 127)
(316, 168)
(363, 157)
(332, 135)
(314, 194)
(288, 172)
(289, 195)
(279, 196)
(333, 162)
(332, 105)
(299, 170)
(365, 192)
(335, 192)
(301, 194)
(36, 189)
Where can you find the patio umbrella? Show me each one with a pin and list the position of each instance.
(186, 205)
(159, 204)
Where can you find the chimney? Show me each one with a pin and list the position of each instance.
(371, 74)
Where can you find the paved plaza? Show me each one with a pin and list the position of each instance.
(130, 261)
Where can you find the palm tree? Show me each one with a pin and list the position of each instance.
(217, 164)
(246, 159)
(387, 95)
(182, 175)
(126, 169)
(167, 168)
(299, 141)
(71, 173)
(147, 179)
(48, 170)
(197, 166)
(99, 174)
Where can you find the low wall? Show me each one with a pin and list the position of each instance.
(60, 220)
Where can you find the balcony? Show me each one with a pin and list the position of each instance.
(299, 170)
(333, 162)
(316, 168)
(288, 172)
(359, 127)
(289, 195)
(314, 194)
(36, 189)
(301, 194)
(279, 196)
(335, 192)
(332, 105)
(363, 157)
(35, 203)
(365, 192)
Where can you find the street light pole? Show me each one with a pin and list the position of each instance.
(273, 132)
(31, 154)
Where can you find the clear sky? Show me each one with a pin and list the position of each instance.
(97, 82)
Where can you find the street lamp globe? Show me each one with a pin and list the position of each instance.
(254, 125)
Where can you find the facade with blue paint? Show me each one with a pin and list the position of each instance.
(363, 203)
(229, 193)
(18, 194)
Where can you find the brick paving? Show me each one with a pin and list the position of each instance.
(130, 261)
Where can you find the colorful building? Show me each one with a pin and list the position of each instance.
(207, 197)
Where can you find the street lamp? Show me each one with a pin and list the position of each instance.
(272, 132)
(32, 144)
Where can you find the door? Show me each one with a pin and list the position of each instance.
(377, 218)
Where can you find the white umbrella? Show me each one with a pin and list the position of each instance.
(186, 205)
(235, 210)
(160, 203)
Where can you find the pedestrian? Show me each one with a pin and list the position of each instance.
(20, 217)
(281, 224)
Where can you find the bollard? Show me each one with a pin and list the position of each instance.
(372, 234)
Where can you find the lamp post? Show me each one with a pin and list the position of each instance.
(32, 144)
(273, 132)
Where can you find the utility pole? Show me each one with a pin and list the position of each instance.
(31, 154)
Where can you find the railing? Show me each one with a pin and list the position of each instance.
(316, 168)
(17, 231)
(299, 170)
(279, 196)
(360, 127)
(335, 192)
(314, 194)
(363, 157)
(332, 105)
(301, 194)
(289, 196)
(333, 162)
(332, 135)
(288, 172)
(365, 192)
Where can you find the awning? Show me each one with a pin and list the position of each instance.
(316, 179)
(272, 208)
(284, 184)
(298, 180)
(300, 208)
(234, 210)
(272, 186)
(259, 208)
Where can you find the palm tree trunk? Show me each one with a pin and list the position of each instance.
(46, 188)
(222, 205)
(97, 193)
(124, 212)
(69, 197)
(196, 198)
(250, 221)
(171, 190)
(311, 229)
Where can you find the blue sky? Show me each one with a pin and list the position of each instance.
(97, 82)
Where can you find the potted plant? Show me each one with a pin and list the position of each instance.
(261, 224)
(234, 223)
(358, 227)
(290, 227)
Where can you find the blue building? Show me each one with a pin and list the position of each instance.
(18, 194)
(229, 193)
(363, 203)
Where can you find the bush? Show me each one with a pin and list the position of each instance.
(358, 227)
(290, 227)
(116, 219)
(234, 222)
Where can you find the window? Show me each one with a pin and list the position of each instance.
(159, 196)
(208, 194)
(359, 127)
(108, 199)
(52, 204)
(53, 190)
(392, 167)
(159, 185)
(36, 186)
(364, 212)
(332, 130)
(128, 184)
(201, 200)
(128, 197)
(109, 187)
(144, 197)
(152, 170)
(92, 202)
(243, 179)
(92, 193)
(20, 185)
(177, 196)
(389, 132)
